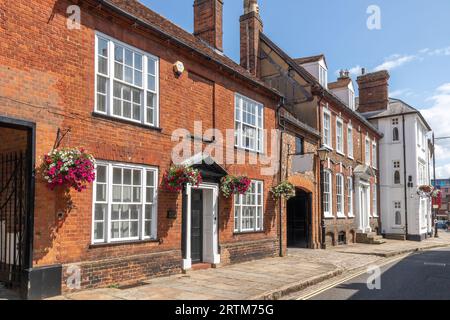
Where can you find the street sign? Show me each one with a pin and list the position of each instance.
(435, 206)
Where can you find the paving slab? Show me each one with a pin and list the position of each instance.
(270, 278)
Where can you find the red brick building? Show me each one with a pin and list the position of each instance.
(110, 86)
(343, 191)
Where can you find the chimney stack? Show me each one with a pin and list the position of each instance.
(344, 74)
(208, 22)
(373, 91)
(251, 27)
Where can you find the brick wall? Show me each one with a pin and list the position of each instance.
(303, 181)
(341, 163)
(48, 78)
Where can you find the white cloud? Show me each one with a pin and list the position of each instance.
(443, 172)
(439, 119)
(395, 61)
(440, 52)
(445, 88)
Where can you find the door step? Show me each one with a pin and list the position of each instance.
(199, 266)
(369, 238)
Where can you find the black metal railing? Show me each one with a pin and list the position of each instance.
(13, 210)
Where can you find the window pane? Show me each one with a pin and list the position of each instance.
(103, 65)
(127, 176)
(117, 175)
(150, 178)
(100, 212)
(138, 61)
(136, 194)
(152, 83)
(100, 174)
(126, 194)
(118, 53)
(118, 71)
(98, 230)
(128, 57)
(148, 211)
(151, 67)
(137, 177)
(117, 193)
(115, 212)
(138, 78)
(149, 195)
(128, 74)
(147, 229)
(115, 230)
(102, 47)
(100, 192)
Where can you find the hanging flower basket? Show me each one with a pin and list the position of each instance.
(69, 168)
(234, 185)
(174, 179)
(435, 194)
(425, 190)
(284, 189)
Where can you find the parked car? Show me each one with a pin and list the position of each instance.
(442, 225)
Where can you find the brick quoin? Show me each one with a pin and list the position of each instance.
(47, 77)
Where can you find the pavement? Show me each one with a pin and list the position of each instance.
(266, 279)
(419, 276)
(6, 294)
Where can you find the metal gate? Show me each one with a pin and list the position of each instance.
(13, 211)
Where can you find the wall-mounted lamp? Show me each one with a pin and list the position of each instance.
(323, 153)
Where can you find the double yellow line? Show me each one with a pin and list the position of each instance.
(352, 276)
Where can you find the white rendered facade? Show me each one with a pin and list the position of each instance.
(405, 142)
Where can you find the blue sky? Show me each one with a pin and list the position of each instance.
(413, 43)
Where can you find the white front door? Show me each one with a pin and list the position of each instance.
(210, 244)
(364, 202)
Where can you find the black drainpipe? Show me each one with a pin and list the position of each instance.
(280, 205)
(404, 177)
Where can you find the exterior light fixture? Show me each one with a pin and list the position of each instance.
(323, 153)
(178, 68)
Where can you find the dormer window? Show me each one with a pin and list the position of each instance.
(351, 100)
(323, 76)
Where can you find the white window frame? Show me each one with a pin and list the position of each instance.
(329, 175)
(259, 214)
(374, 201)
(239, 123)
(326, 137)
(350, 141)
(144, 89)
(323, 76)
(396, 169)
(367, 148)
(374, 155)
(340, 146)
(350, 196)
(421, 173)
(340, 195)
(107, 238)
(397, 207)
(395, 124)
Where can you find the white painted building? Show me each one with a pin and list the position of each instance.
(404, 160)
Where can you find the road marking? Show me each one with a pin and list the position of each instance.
(336, 283)
(435, 264)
